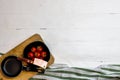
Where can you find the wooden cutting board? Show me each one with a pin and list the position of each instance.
(18, 51)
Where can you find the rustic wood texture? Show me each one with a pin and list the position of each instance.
(18, 51)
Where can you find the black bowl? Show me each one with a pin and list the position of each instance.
(11, 67)
(35, 44)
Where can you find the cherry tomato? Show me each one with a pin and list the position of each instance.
(33, 49)
(43, 54)
(30, 55)
(37, 54)
(39, 48)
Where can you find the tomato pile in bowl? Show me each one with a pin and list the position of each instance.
(38, 50)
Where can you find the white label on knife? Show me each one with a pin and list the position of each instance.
(40, 62)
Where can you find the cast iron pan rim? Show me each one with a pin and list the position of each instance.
(3, 66)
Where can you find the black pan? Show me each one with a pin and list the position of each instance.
(11, 67)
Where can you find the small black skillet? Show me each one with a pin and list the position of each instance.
(11, 67)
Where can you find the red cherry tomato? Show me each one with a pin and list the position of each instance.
(37, 54)
(39, 48)
(43, 54)
(30, 55)
(33, 49)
